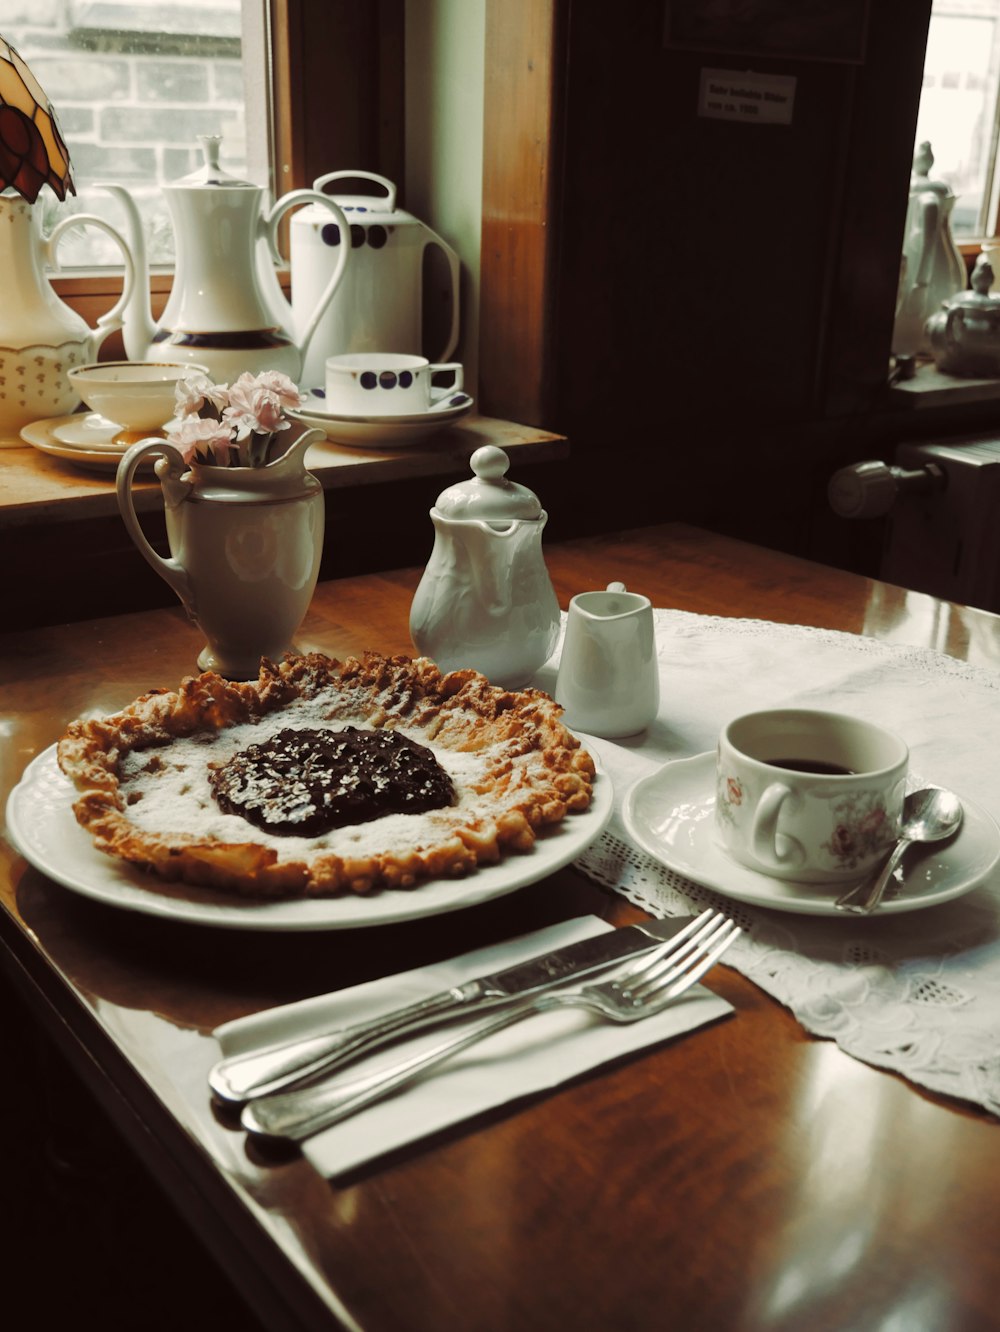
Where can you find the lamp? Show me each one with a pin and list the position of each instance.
(41, 338)
(32, 150)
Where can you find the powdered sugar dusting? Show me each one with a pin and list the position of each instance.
(168, 792)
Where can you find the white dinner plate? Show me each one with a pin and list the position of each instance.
(671, 815)
(379, 432)
(42, 824)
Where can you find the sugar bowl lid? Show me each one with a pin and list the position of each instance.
(489, 496)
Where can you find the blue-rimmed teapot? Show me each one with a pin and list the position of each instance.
(226, 309)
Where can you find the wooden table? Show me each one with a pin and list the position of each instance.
(748, 1177)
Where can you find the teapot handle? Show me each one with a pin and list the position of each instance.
(454, 271)
(270, 231)
(169, 470)
(114, 319)
(321, 181)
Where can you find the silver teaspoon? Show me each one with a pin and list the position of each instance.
(929, 815)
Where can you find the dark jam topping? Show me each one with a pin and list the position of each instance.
(304, 783)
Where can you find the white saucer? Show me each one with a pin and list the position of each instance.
(671, 815)
(84, 440)
(379, 431)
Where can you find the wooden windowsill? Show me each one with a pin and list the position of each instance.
(931, 387)
(39, 488)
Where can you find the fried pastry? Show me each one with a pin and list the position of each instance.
(323, 776)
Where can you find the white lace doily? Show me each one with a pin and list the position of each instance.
(917, 992)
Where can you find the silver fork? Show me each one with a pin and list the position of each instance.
(642, 990)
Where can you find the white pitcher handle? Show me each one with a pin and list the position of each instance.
(270, 225)
(169, 470)
(114, 318)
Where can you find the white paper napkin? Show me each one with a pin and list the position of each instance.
(536, 1055)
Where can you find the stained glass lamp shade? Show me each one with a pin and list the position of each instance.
(32, 150)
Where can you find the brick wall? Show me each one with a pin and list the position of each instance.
(133, 84)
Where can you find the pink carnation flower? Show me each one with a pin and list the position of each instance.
(281, 386)
(254, 411)
(195, 435)
(195, 391)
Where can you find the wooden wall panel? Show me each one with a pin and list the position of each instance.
(520, 183)
(338, 84)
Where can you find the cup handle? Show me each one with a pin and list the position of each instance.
(771, 848)
(169, 471)
(438, 393)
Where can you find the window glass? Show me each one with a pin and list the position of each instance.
(958, 107)
(133, 83)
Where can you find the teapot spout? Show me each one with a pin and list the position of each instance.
(138, 328)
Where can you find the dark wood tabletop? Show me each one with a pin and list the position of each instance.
(748, 1178)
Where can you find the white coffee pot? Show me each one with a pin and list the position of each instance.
(225, 309)
(485, 600)
(931, 268)
(402, 276)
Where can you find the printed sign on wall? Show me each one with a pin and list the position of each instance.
(727, 94)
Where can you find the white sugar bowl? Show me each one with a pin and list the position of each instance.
(485, 600)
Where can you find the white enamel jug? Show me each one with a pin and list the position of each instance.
(403, 279)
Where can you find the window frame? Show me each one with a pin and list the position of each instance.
(345, 43)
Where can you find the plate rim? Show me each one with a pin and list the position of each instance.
(297, 915)
(810, 903)
(405, 419)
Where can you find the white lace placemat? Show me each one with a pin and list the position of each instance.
(916, 992)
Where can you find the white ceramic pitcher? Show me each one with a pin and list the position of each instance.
(245, 548)
(41, 338)
(608, 682)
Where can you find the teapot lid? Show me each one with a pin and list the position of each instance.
(920, 177)
(980, 297)
(489, 495)
(211, 172)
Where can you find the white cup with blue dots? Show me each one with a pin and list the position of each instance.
(389, 384)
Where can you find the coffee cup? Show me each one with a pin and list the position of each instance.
(808, 795)
(386, 384)
(608, 682)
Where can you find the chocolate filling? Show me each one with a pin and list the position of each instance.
(304, 783)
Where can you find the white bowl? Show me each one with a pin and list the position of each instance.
(137, 395)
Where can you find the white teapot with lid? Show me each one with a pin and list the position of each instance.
(485, 600)
(225, 309)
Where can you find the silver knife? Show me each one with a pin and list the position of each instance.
(242, 1077)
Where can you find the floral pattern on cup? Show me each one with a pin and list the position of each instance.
(862, 829)
(729, 797)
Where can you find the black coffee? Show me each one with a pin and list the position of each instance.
(817, 766)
